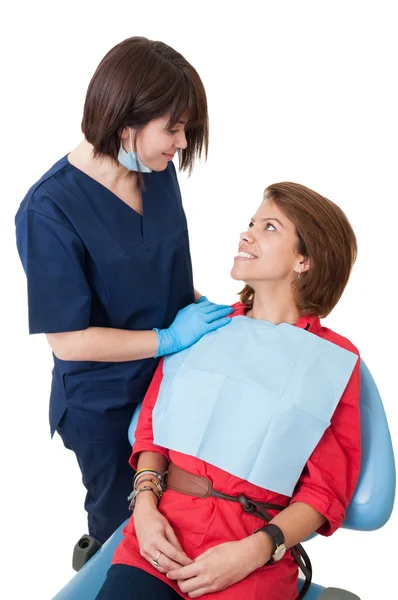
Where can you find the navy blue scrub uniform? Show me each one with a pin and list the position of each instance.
(92, 261)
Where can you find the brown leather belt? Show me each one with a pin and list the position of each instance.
(182, 481)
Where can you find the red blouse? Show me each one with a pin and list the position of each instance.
(327, 483)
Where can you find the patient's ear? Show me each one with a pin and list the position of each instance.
(303, 264)
(306, 263)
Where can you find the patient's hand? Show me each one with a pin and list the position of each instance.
(155, 535)
(221, 566)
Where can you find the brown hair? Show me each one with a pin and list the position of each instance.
(137, 81)
(325, 236)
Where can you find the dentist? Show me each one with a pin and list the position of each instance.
(103, 240)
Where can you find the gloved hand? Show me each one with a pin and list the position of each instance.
(190, 324)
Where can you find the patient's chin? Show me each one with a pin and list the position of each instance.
(235, 274)
(239, 271)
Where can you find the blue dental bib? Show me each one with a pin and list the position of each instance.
(253, 399)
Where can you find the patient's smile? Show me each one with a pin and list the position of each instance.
(245, 256)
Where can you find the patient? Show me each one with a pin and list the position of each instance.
(257, 425)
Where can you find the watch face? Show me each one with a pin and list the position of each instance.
(279, 552)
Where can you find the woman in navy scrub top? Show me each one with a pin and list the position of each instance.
(103, 240)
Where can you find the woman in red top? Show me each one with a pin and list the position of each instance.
(296, 258)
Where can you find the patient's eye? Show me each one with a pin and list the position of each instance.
(268, 225)
(251, 224)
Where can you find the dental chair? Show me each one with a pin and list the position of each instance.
(370, 508)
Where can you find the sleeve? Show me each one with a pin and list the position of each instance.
(328, 480)
(144, 432)
(53, 257)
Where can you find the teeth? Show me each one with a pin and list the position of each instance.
(246, 255)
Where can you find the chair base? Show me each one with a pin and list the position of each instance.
(317, 592)
(337, 594)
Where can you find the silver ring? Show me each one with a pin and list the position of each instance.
(155, 560)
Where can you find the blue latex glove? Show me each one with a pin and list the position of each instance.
(190, 324)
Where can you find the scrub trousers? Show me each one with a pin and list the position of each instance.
(102, 450)
(129, 583)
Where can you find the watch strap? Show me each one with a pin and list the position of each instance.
(276, 535)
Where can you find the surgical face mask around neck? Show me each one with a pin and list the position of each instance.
(131, 160)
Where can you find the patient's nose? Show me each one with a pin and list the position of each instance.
(246, 237)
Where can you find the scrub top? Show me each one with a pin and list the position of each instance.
(93, 261)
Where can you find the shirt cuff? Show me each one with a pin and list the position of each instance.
(327, 505)
(146, 447)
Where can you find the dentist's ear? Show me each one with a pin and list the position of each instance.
(125, 133)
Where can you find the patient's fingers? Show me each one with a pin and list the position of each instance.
(170, 557)
(172, 538)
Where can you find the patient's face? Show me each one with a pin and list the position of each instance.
(268, 249)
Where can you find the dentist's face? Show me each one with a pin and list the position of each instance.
(157, 143)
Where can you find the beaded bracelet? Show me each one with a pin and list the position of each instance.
(157, 483)
(149, 473)
(133, 496)
(139, 478)
(141, 471)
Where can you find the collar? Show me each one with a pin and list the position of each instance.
(309, 322)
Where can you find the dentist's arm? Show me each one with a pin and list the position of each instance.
(105, 344)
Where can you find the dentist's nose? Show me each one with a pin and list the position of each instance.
(181, 141)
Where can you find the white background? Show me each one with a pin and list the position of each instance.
(299, 91)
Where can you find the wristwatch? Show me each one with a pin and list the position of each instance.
(278, 539)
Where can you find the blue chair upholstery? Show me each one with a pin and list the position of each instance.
(370, 507)
(133, 424)
(373, 500)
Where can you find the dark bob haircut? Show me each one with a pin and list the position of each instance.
(140, 80)
(325, 236)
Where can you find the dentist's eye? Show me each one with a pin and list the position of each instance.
(251, 224)
(173, 131)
